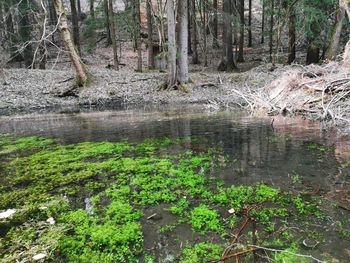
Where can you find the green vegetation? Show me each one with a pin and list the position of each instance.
(201, 252)
(46, 183)
(203, 219)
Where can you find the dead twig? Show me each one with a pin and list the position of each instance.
(287, 252)
(236, 255)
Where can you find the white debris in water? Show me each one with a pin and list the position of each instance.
(231, 211)
(51, 220)
(8, 213)
(169, 258)
(39, 256)
(88, 206)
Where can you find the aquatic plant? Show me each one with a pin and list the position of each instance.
(47, 183)
(204, 219)
(201, 252)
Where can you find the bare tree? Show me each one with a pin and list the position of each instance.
(150, 34)
(113, 34)
(334, 44)
(195, 56)
(82, 74)
(137, 33)
(344, 4)
(171, 44)
(183, 42)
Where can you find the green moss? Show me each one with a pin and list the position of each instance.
(204, 219)
(9, 144)
(122, 180)
(201, 252)
(180, 207)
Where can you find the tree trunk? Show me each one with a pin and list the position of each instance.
(93, 18)
(82, 75)
(263, 23)
(79, 9)
(228, 11)
(108, 30)
(150, 34)
(333, 48)
(250, 40)
(292, 38)
(138, 43)
(343, 4)
(215, 25)
(92, 9)
(171, 44)
(190, 51)
(183, 42)
(2, 21)
(75, 23)
(313, 49)
(240, 57)
(271, 29)
(10, 31)
(195, 57)
(113, 34)
(52, 13)
(25, 29)
(203, 13)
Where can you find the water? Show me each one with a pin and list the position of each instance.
(277, 154)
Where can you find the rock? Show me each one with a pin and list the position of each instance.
(51, 220)
(8, 213)
(231, 211)
(310, 243)
(39, 256)
(155, 217)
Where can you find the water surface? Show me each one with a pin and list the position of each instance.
(277, 154)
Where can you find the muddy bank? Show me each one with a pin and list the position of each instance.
(26, 91)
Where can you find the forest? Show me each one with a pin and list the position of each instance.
(146, 39)
(174, 131)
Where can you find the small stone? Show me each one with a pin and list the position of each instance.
(51, 220)
(39, 256)
(231, 211)
(310, 243)
(8, 213)
(43, 207)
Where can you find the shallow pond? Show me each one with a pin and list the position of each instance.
(171, 185)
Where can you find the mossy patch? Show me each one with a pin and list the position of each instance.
(98, 193)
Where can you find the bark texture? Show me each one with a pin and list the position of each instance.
(151, 64)
(195, 56)
(182, 42)
(171, 44)
(113, 34)
(82, 75)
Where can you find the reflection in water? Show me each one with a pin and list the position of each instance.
(259, 152)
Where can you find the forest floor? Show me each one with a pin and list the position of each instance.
(25, 90)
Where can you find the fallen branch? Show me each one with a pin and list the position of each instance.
(130, 81)
(237, 254)
(66, 80)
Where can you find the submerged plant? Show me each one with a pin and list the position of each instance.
(50, 184)
(201, 252)
(204, 219)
